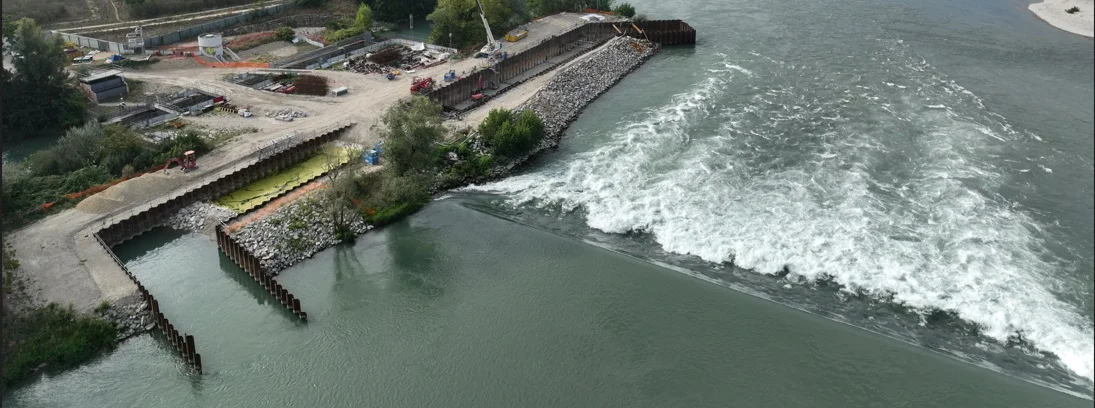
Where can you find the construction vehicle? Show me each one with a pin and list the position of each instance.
(421, 84)
(187, 163)
(492, 46)
(516, 35)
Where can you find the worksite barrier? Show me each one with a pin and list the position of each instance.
(185, 34)
(191, 33)
(135, 222)
(234, 64)
(341, 47)
(93, 43)
(184, 343)
(101, 187)
(250, 264)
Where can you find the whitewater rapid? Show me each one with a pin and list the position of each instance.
(887, 184)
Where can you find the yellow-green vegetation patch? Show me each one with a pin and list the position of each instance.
(266, 189)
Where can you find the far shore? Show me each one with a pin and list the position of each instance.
(1081, 22)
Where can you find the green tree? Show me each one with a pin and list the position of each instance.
(399, 10)
(364, 19)
(461, 18)
(413, 127)
(285, 33)
(39, 99)
(511, 135)
(545, 7)
(9, 27)
(625, 9)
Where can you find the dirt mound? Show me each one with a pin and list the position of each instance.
(142, 189)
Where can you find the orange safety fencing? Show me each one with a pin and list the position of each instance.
(240, 64)
(595, 11)
(101, 187)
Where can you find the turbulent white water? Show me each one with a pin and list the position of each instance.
(887, 184)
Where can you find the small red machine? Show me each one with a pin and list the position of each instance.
(187, 163)
(421, 84)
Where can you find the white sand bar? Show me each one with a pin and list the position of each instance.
(1081, 22)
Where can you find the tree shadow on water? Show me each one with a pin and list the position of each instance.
(416, 263)
(346, 261)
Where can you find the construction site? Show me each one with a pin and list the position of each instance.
(306, 113)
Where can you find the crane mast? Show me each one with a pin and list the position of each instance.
(492, 45)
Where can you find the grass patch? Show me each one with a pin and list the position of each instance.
(264, 58)
(219, 138)
(246, 42)
(53, 336)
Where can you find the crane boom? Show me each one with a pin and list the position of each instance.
(492, 44)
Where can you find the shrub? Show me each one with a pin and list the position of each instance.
(1073, 10)
(364, 17)
(52, 335)
(285, 33)
(342, 34)
(511, 136)
(625, 10)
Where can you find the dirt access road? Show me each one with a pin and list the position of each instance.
(64, 263)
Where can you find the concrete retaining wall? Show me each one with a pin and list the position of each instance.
(187, 34)
(191, 33)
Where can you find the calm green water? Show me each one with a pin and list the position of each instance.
(921, 170)
(457, 308)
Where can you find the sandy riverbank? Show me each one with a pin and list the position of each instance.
(1081, 22)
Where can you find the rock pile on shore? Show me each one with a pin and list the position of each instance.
(130, 316)
(198, 216)
(564, 97)
(292, 234)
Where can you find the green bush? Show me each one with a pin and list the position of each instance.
(285, 33)
(87, 156)
(625, 10)
(53, 335)
(342, 34)
(511, 136)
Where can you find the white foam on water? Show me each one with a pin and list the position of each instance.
(911, 223)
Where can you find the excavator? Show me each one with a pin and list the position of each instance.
(187, 163)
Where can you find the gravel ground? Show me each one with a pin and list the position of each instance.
(200, 217)
(292, 234)
(144, 188)
(276, 48)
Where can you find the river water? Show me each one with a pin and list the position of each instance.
(886, 203)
